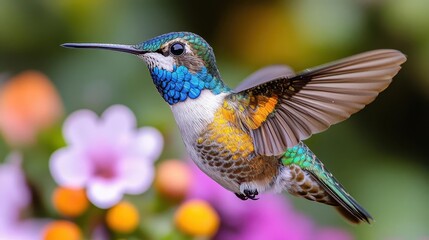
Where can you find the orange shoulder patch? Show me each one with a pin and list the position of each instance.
(258, 110)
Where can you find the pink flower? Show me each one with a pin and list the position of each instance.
(12, 185)
(15, 198)
(107, 155)
(270, 217)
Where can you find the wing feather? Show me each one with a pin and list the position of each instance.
(311, 101)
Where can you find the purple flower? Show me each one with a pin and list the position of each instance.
(15, 198)
(108, 156)
(12, 185)
(270, 217)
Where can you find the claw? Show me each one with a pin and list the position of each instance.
(248, 194)
(251, 194)
(241, 196)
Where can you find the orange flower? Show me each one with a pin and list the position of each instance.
(173, 179)
(123, 217)
(28, 103)
(63, 230)
(197, 218)
(70, 202)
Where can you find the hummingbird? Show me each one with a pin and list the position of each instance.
(250, 139)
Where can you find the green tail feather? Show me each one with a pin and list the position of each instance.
(300, 155)
(347, 206)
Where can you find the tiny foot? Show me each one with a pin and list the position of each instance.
(241, 196)
(251, 194)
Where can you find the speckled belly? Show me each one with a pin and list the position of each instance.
(227, 155)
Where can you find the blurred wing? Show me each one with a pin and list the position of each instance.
(265, 74)
(280, 112)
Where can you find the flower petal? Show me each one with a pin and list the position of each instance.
(28, 229)
(118, 121)
(14, 189)
(80, 127)
(104, 193)
(69, 168)
(138, 175)
(148, 143)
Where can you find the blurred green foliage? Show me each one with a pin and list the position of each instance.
(379, 154)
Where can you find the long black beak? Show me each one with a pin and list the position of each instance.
(114, 47)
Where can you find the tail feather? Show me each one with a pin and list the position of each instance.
(309, 178)
(346, 204)
(351, 217)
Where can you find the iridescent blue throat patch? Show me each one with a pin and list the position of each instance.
(180, 84)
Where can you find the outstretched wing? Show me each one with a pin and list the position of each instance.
(282, 111)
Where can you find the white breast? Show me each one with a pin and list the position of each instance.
(193, 115)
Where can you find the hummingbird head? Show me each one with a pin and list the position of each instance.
(182, 64)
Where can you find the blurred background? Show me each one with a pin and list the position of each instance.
(379, 154)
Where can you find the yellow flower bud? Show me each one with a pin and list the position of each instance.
(63, 230)
(123, 217)
(197, 218)
(70, 202)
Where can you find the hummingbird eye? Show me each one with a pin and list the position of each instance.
(177, 48)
